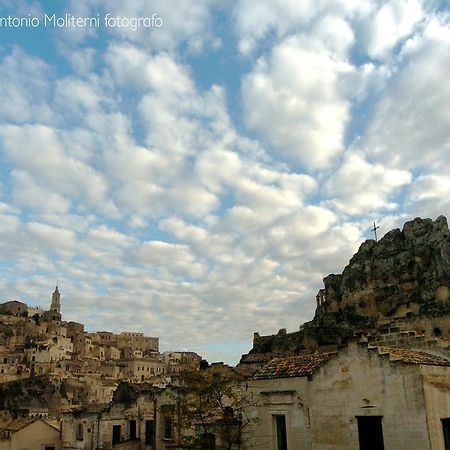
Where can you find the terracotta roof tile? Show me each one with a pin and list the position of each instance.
(408, 356)
(18, 424)
(294, 366)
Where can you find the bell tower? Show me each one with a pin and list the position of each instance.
(55, 306)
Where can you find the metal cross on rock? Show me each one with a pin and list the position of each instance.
(374, 229)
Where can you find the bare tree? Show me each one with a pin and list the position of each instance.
(211, 409)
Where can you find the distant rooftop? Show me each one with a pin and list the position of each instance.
(294, 366)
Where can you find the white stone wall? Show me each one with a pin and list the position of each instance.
(321, 414)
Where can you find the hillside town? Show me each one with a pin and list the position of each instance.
(370, 371)
(37, 342)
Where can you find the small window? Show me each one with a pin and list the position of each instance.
(79, 432)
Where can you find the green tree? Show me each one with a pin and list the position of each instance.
(37, 318)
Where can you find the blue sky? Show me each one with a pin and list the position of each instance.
(196, 181)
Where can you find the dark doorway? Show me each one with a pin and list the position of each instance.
(149, 432)
(168, 428)
(49, 448)
(281, 432)
(370, 433)
(132, 429)
(446, 430)
(116, 434)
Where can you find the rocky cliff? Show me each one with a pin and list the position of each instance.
(404, 277)
(406, 271)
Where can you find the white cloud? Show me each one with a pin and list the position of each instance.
(255, 21)
(24, 89)
(392, 22)
(27, 193)
(77, 97)
(37, 150)
(429, 196)
(166, 257)
(358, 186)
(409, 127)
(295, 99)
(83, 60)
(48, 239)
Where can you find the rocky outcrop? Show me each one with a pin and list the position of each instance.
(404, 277)
(36, 392)
(407, 271)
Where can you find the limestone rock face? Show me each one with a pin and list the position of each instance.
(401, 282)
(405, 272)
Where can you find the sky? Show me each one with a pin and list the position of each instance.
(194, 175)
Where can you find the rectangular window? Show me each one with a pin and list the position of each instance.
(79, 432)
(280, 423)
(149, 432)
(370, 432)
(116, 434)
(446, 430)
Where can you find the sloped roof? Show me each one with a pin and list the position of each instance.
(294, 366)
(408, 356)
(18, 424)
(21, 423)
(13, 302)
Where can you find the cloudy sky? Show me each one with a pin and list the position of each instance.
(196, 180)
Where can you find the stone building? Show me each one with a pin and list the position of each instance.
(177, 362)
(353, 399)
(29, 433)
(138, 417)
(45, 356)
(54, 313)
(141, 369)
(130, 340)
(14, 308)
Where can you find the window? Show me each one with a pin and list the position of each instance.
(280, 424)
(168, 428)
(79, 432)
(149, 432)
(370, 432)
(446, 430)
